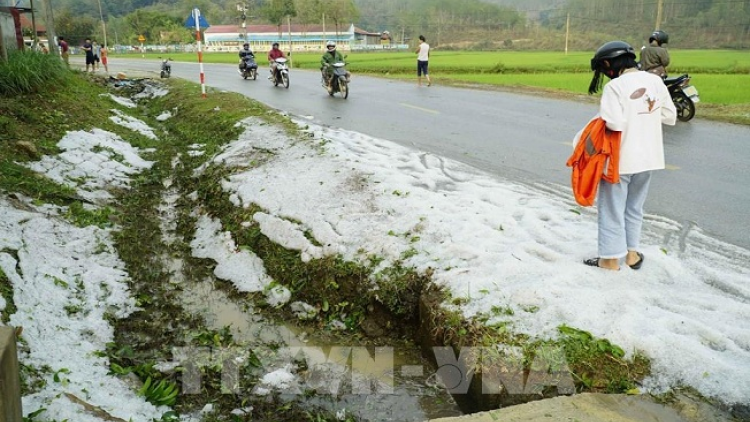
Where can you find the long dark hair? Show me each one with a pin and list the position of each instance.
(612, 68)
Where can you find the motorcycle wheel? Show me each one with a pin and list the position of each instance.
(344, 89)
(285, 80)
(685, 107)
(244, 74)
(255, 73)
(163, 74)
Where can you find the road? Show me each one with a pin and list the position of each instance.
(522, 138)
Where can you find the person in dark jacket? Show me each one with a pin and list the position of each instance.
(655, 57)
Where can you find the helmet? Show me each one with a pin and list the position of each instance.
(659, 36)
(275, 45)
(609, 51)
(330, 45)
(610, 59)
(246, 45)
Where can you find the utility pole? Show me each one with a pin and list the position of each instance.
(289, 30)
(567, 33)
(104, 27)
(242, 8)
(658, 14)
(33, 27)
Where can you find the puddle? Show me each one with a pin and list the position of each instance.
(393, 383)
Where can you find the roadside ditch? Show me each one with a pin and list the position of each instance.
(306, 328)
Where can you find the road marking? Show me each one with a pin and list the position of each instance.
(426, 110)
(671, 167)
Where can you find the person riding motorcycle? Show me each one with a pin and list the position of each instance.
(330, 57)
(245, 54)
(273, 54)
(655, 57)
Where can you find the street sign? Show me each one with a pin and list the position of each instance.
(190, 22)
(141, 38)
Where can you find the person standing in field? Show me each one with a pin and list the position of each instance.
(103, 52)
(637, 104)
(423, 56)
(64, 50)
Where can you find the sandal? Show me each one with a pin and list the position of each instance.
(594, 262)
(637, 265)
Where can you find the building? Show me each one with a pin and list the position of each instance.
(296, 37)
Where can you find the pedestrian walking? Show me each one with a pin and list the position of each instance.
(637, 104)
(64, 50)
(423, 56)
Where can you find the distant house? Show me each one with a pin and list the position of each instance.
(295, 37)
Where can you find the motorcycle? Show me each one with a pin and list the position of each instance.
(281, 74)
(683, 95)
(166, 68)
(339, 82)
(248, 68)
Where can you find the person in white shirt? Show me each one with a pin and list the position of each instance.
(637, 104)
(423, 56)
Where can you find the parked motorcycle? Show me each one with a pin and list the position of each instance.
(281, 74)
(339, 82)
(166, 68)
(249, 69)
(683, 95)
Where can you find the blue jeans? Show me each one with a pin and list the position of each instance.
(620, 214)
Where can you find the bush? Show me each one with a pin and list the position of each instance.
(29, 72)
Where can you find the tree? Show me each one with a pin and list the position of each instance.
(276, 10)
(340, 12)
(75, 29)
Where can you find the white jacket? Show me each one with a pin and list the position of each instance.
(637, 103)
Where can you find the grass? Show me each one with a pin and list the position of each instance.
(338, 287)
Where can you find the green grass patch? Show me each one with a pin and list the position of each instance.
(6, 292)
(30, 72)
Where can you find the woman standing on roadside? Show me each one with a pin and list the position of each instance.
(637, 104)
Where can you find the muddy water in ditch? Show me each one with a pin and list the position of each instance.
(400, 382)
(393, 383)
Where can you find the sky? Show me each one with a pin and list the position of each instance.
(492, 242)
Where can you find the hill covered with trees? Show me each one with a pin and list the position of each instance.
(459, 24)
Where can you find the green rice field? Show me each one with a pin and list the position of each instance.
(722, 77)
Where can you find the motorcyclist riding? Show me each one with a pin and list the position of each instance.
(273, 54)
(245, 54)
(330, 57)
(655, 57)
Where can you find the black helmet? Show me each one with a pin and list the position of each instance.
(609, 51)
(246, 45)
(659, 36)
(610, 59)
(275, 45)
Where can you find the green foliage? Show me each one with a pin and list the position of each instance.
(599, 365)
(6, 291)
(160, 393)
(82, 217)
(29, 71)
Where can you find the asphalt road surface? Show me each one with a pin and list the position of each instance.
(523, 138)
